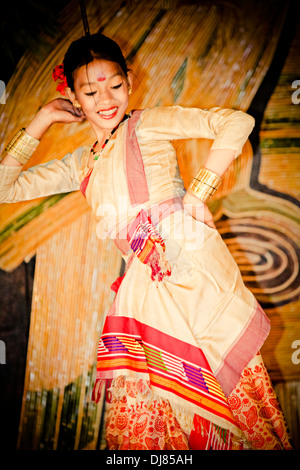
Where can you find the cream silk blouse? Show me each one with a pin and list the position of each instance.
(155, 131)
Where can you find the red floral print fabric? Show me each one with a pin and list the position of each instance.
(138, 420)
(257, 411)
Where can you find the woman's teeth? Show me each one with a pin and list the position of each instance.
(108, 112)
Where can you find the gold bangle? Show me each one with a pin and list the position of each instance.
(205, 184)
(22, 146)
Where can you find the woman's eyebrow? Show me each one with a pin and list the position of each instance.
(93, 83)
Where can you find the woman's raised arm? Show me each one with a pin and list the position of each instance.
(22, 146)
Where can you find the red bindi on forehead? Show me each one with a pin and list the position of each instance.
(101, 77)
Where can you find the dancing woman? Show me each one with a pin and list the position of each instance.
(179, 356)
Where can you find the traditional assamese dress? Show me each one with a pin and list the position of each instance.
(179, 353)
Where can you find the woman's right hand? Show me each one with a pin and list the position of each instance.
(58, 110)
(62, 110)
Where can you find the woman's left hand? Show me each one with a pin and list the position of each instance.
(197, 209)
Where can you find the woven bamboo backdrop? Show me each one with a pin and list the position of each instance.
(184, 54)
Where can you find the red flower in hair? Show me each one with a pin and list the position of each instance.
(59, 74)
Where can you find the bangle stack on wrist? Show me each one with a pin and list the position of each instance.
(205, 184)
(22, 146)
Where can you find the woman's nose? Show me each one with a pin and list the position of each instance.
(104, 96)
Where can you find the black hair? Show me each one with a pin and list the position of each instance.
(86, 49)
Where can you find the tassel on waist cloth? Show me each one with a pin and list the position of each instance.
(142, 237)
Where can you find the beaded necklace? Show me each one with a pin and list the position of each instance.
(99, 153)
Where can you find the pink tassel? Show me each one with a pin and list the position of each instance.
(149, 247)
(158, 263)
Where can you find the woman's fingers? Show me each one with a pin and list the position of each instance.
(208, 217)
(62, 110)
(198, 210)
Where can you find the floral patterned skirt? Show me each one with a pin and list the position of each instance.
(136, 419)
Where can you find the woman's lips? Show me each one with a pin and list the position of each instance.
(108, 113)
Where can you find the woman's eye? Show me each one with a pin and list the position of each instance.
(117, 86)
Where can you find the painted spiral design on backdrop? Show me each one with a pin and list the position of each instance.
(267, 258)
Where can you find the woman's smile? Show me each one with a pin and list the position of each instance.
(108, 113)
(104, 102)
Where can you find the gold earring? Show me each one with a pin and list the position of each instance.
(129, 90)
(76, 104)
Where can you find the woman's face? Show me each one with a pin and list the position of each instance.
(102, 91)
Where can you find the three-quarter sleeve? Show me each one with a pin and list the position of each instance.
(53, 177)
(228, 128)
